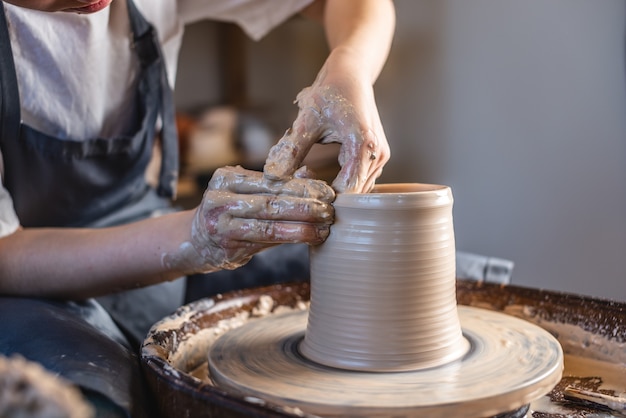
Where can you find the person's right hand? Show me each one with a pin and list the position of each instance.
(243, 213)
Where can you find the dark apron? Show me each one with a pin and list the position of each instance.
(99, 181)
(55, 182)
(96, 182)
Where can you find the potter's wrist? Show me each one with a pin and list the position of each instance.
(183, 257)
(345, 60)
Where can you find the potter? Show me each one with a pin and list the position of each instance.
(89, 166)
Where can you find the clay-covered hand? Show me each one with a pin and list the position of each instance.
(242, 213)
(336, 108)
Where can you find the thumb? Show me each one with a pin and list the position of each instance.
(287, 155)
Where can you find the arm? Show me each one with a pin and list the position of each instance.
(359, 34)
(240, 214)
(340, 105)
(79, 263)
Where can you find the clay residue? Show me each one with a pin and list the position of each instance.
(193, 350)
(605, 318)
(262, 364)
(571, 320)
(243, 206)
(263, 307)
(163, 338)
(189, 355)
(575, 340)
(583, 374)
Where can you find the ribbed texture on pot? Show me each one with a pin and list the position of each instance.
(383, 292)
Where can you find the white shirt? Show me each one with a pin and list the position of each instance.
(76, 73)
(80, 85)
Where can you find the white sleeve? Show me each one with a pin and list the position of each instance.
(8, 218)
(255, 17)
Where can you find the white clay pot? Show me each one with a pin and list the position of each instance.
(383, 289)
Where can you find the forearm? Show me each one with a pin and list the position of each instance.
(359, 34)
(79, 263)
(339, 106)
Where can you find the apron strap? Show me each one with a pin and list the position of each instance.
(148, 50)
(9, 93)
(169, 141)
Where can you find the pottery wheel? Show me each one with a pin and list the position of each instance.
(510, 363)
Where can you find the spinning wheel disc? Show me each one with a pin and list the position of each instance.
(510, 363)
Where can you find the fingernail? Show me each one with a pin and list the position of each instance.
(326, 212)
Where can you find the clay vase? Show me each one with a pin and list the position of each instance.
(383, 291)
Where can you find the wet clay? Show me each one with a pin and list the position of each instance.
(320, 107)
(174, 355)
(383, 335)
(584, 374)
(383, 294)
(511, 362)
(242, 213)
(316, 108)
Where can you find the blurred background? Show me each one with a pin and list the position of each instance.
(519, 106)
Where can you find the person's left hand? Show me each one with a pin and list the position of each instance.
(243, 213)
(336, 108)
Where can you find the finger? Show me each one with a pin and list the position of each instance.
(375, 171)
(282, 159)
(285, 208)
(287, 155)
(240, 251)
(276, 232)
(241, 181)
(266, 207)
(371, 181)
(353, 173)
(304, 173)
(361, 165)
(363, 182)
(225, 177)
(237, 253)
(302, 188)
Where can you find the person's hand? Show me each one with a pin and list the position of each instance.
(336, 108)
(242, 213)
